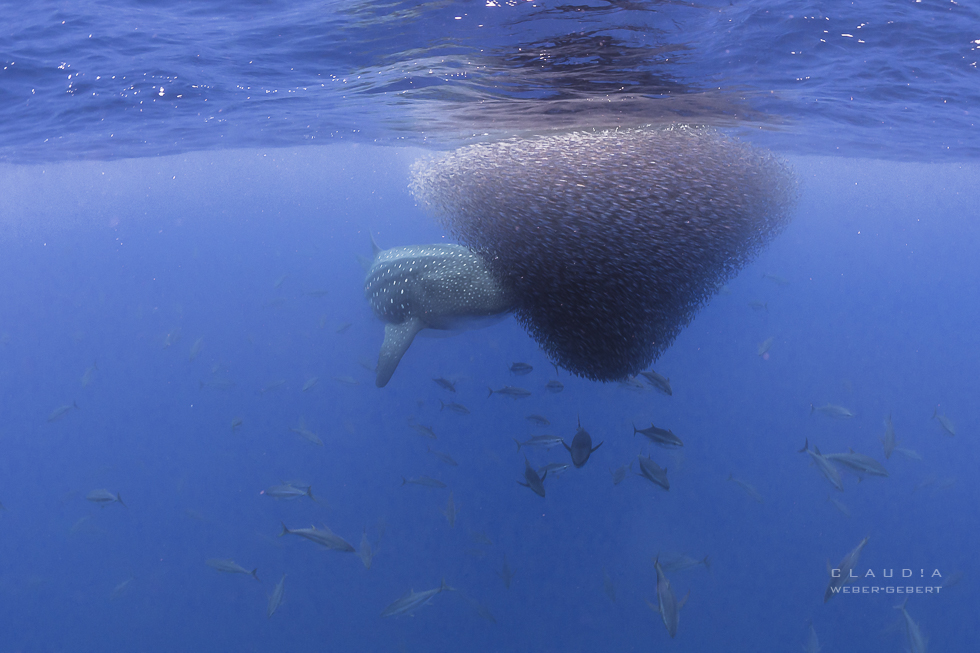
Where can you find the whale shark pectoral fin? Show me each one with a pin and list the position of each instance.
(398, 337)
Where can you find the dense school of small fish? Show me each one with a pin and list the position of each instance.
(610, 240)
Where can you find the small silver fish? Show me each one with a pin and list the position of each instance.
(888, 440)
(454, 407)
(667, 604)
(840, 506)
(481, 538)
(554, 468)
(236, 422)
(424, 431)
(230, 567)
(776, 279)
(275, 599)
(89, 374)
(196, 349)
(104, 497)
(120, 589)
(288, 491)
(858, 463)
(675, 562)
(619, 473)
(444, 457)
(842, 574)
(544, 441)
(61, 411)
(653, 472)
(632, 383)
(481, 609)
(412, 601)
(346, 380)
(662, 437)
(274, 385)
(510, 391)
(911, 454)
(364, 551)
(451, 511)
(324, 537)
(445, 384)
(827, 469)
(310, 383)
(538, 420)
(520, 369)
(749, 490)
(306, 433)
(943, 421)
(831, 410)
(765, 346)
(608, 586)
(342, 327)
(506, 574)
(812, 643)
(554, 386)
(658, 381)
(916, 641)
(424, 481)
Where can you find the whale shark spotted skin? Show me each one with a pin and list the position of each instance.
(444, 287)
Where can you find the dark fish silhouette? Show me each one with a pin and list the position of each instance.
(534, 481)
(581, 447)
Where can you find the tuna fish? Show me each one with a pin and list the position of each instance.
(412, 601)
(824, 465)
(841, 576)
(653, 472)
(658, 381)
(662, 437)
(324, 538)
(534, 482)
(667, 604)
(275, 599)
(230, 567)
(581, 447)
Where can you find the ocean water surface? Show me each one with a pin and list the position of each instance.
(186, 192)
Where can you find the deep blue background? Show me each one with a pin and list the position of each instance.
(127, 215)
(103, 260)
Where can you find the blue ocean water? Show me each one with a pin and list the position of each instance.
(184, 194)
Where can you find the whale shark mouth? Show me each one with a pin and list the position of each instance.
(610, 240)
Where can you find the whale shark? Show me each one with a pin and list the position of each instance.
(443, 287)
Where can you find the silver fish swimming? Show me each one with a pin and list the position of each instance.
(104, 497)
(667, 604)
(658, 381)
(823, 465)
(663, 437)
(653, 472)
(413, 600)
(841, 576)
(858, 463)
(832, 410)
(324, 537)
(230, 567)
(443, 287)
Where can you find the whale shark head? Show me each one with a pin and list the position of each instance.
(446, 287)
